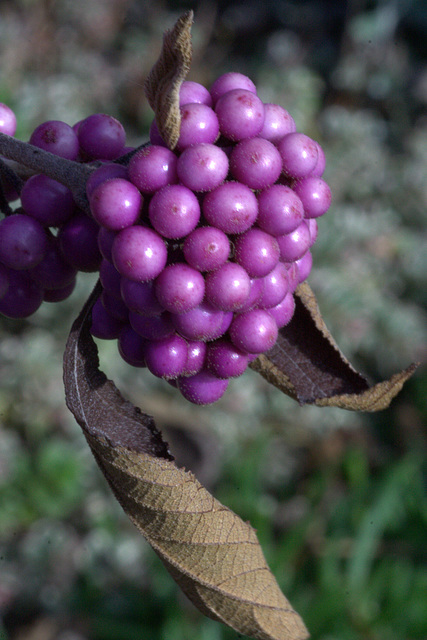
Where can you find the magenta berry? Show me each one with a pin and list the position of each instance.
(231, 207)
(299, 154)
(174, 211)
(256, 163)
(101, 136)
(202, 388)
(228, 287)
(240, 114)
(314, 194)
(206, 248)
(254, 331)
(139, 253)
(202, 167)
(116, 204)
(257, 252)
(152, 168)
(57, 137)
(229, 81)
(167, 358)
(7, 120)
(280, 210)
(179, 288)
(277, 123)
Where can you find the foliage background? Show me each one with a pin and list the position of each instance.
(338, 499)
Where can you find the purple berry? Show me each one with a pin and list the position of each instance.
(228, 287)
(58, 295)
(202, 388)
(315, 195)
(179, 288)
(276, 286)
(195, 357)
(304, 265)
(153, 328)
(23, 241)
(106, 238)
(204, 322)
(152, 168)
(293, 275)
(314, 230)
(206, 248)
(105, 172)
(202, 167)
(190, 92)
(7, 120)
(101, 136)
(57, 137)
(53, 271)
(280, 210)
(294, 245)
(140, 297)
(229, 81)
(240, 114)
(110, 279)
(224, 360)
(277, 123)
(116, 204)
(199, 123)
(254, 331)
(167, 358)
(174, 211)
(155, 137)
(283, 312)
(231, 207)
(256, 163)
(104, 325)
(46, 200)
(78, 239)
(4, 280)
(257, 252)
(256, 291)
(321, 162)
(115, 307)
(131, 347)
(23, 296)
(139, 253)
(299, 154)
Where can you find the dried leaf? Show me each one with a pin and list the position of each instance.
(164, 80)
(307, 365)
(213, 555)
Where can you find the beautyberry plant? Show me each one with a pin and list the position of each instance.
(199, 249)
(201, 238)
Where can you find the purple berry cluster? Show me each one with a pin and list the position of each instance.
(199, 249)
(48, 239)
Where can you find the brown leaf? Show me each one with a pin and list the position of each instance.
(165, 78)
(306, 364)
(91, 396)
(212, 554)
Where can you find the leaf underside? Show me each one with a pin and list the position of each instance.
(212, 554)
(164, 80)
(306, 364)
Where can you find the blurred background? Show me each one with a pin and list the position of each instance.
(338, 499)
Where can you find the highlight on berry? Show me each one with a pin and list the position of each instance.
(199, 250)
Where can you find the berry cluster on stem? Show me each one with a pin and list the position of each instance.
(199, 249)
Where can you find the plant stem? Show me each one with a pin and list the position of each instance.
(72, 174)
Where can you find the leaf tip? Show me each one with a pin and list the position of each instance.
(165, 78)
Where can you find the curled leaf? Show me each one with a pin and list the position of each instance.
(306, 364)
(165, 78)
(212, 554)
